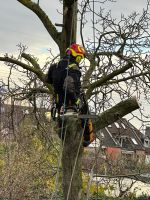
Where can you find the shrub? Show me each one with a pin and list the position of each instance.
(143, 197)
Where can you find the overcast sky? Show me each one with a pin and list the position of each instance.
(20, 25)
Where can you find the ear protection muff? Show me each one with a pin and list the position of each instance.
(69, 52)
(78, 59)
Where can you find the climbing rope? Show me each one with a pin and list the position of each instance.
(76, 158)
(95, 103)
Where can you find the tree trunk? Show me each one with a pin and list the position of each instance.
(69, 30)
(72, 160)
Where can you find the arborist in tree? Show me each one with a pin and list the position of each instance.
(65, 78)
(69, 100)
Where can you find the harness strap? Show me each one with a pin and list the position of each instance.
(73, 66)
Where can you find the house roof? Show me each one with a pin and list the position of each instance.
(122, 133)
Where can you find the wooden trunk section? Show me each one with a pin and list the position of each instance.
(72, 160)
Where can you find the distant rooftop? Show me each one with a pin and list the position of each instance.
(147, 131)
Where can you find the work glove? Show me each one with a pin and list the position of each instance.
(78, 104)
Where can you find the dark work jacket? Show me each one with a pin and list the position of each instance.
(58, 72)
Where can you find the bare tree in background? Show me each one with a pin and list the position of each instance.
(118, 69)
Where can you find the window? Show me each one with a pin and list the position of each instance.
(146, 143)
(2, 109)
(117, 125)
(5, 131)
(134, 141)
(123, 125)
(102, 134)
(95, 143)
(147, 159)
(26, 112)
(122, 140)
(127, 155)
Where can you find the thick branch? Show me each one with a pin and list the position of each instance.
(38, 90)
(28, 94)
(21, 64)
(72, 183)
(36, 71)
(119, 175)
(31, 60)
(113, 114)
(134, 176)
(44, 19)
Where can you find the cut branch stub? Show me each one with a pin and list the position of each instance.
(113, 114)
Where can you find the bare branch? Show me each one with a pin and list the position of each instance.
(103, 80)
(36, 71)
(44, 19)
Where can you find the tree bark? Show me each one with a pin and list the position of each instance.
(68, 34)
(72, 160)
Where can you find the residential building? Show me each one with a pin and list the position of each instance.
(116, 144)
(121, 138)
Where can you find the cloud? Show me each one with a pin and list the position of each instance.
(20, 25)
(126, 7)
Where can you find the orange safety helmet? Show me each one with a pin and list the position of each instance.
(76, 51)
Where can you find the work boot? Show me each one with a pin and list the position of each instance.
(71, 110)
